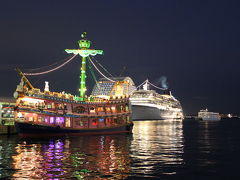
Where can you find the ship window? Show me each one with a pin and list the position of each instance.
(92, 110)
(46, 119)
(40, 119)
(59, 120)
(94, 122)
(34, 117)
(85, 122)
(30, 118)
(79, 109)
(80, 122)
(116, 120)
(127, 107)
(51, 120)
(108, 109)
(113, 109)
(100, 109)
(110, 122)
(68, 122)
(101, 120)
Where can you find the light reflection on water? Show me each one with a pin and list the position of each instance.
(69, 158)
(156, 149)
(100, 157)
(155, 145)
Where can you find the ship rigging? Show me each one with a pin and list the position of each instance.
(87, 59)
(45, 112)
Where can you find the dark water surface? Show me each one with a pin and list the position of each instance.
(164, 149)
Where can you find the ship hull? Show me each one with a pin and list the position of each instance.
(211, 119)
(33, 130)
(140, 112)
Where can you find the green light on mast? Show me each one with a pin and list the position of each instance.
(84, 52)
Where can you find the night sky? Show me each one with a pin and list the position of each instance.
(195, 44)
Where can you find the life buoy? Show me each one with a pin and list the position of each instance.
(3, 122)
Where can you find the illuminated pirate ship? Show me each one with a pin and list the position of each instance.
(52, 113)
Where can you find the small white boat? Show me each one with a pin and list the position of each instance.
(206, 115)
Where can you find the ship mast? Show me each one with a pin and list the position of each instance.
(84, 52)
(30, 86)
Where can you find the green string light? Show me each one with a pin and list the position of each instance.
(84, 52)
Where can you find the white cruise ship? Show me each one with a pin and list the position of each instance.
(149, 105)
(206, 115)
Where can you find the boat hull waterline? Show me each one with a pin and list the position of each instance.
(31, 130)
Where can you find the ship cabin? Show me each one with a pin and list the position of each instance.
(151, 96)
(120, 86)
(63, 111)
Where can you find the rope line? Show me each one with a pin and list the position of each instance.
(93, 75)
(141, 84)
(156, 86)
(45, 72)
(102, 66)
(146, 81)
(43, 68)
(99, 70)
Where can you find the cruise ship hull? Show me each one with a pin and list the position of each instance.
(140, 112)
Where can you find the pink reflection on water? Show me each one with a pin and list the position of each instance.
(40, 162)
(93, 156)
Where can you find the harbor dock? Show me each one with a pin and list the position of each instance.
(7, 115)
